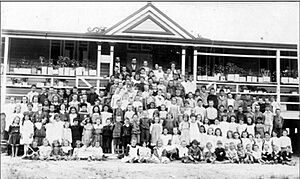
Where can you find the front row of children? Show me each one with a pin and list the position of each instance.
(164, 154)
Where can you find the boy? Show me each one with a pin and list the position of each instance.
(76, 131)
(287, 156)
(145, 127)
(220, 153)
(194, 152)
(126, 134)
(107, 136)
(117, 134)
(278, 123)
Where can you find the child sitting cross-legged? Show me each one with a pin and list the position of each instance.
(145, 153)
(183, 152)
(194, 152)
(67, 149)
(45, 150)
(159, 153)
(220, 153)
(33, 151)
(95, 152)
(209, 153)
(266, 155)
(241, 153)
(232, 153)
(287, 156)
(276, 154)
(76, 150)
(256, 154)
(131, 152)
(56, 153)
(249, 154)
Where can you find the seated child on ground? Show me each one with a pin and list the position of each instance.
(95, 152)
(45, 150)
(276, 154)
(195, 152)
(220, 153)
(266, 155)
(76, 150)
(209, 153)
(131, 152)
(256, 154)
(171, 150)
(287, 156)
(56, 153)
(232, 153)
(249, 154)
(159, 153)
(241, 153)
(183, 152)
(145, 153)
(33, 151)
(67, 149)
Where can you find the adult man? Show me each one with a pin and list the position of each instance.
(212, 96)
(145, 66)
(92, 96)
(278, 123)
(211, 112)
(132, 67)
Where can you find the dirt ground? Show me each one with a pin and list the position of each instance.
(16, 168)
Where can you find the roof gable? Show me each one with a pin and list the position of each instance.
(149, 22)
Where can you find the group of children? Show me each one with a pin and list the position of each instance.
(143, 118)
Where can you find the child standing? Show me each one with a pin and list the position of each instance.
(117, 134)
(194, 128)
(26, 131)
(244, 138)
(145, 123)
(259, 126)
(155, 130)
(241, 127)
(184, 129)
(67, 132)
(76, 131)
(136, 132)
(88, 129)
(126, 133)
(98, 129)
(175, 138)
(250, 126)
(169, 123)
(14, 136)
(107, 136)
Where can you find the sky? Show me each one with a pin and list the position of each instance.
(276, 22)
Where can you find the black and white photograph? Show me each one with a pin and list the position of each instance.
(150, 89)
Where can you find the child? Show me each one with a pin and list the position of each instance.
(194, 152)
(218, 136)
(249, 154)
(232, 126)
(244, 138)
(258, 141)
(131, 152)
(129, 113)
(224, 125)
(117, 134)
(236, 137)
(276, 154)
(275, 140)
(241, 127)
(57, 152)
(155, 130)
(45, 150)
(184, 128)
(96, 152)
(175, 138)
(76, 150)
(163, 111)
(209, 153)
(266, 155)
(159, 153)
(285, 140)
(241, 153)
(126, 133)
(26, 131)
(232, 153)
(183, 152)
(33, 152)
(287, 156)
(220, 153)
(88, 129)
(194, 128)
(107, 136)
(267, 140)
(14, 136)
(165, 137)
(145, 123)
(136, 132)
(66, 149)
(259, 126)
(256, 154)
(98, 129)
(210, 137)
(67, 132)
(250, 126)
(144, 153)
(169, 123)
(76, 131)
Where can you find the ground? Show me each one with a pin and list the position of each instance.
(17, 168)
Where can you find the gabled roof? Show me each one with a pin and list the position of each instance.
(149, 21)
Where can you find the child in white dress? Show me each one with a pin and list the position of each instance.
(26, 130)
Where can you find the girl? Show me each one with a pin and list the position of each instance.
(96, 152)
(258, 141)
(210, 137)
(241, 153)
(45, 150)
(26, 131)
(199, 119)
(241, 127)
(249, 154)
(275, 140)
(194, 128)
(250, 126)
(87, 130)
(184, 129)
(39, 132)
(174, 108)
(163, 112)
(266, 155)
(267, 140)
(194, 152)
(202, 137)
(251, 138)
(97, 133)
(206, 123)
(33, 152)
(131, 154)
(24, 103)
(183, 152)
(105, 114)
(67, 133)
(232, 153)
(74, 102)
(159, 153)
(14, 136)
(244, 138)
(219, 137)
(232, 126)
(237, 139)
(175, 141)
(17, 112)
(151, 109)
(224, 125)
(165, 137)
(35, 102)
(73, 115)
(129, 112)
(136, 131)
(95, 113)
(144, 153)
(256, 154)
(155, 131)
(66, 149)
(230, 138)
